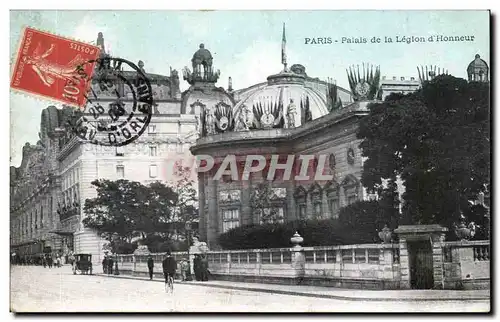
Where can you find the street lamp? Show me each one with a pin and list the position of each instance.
(188, 235)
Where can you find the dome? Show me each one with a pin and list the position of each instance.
(286, 89)
(202, 54)
(478, 69)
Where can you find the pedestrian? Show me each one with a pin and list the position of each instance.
(105, 265)
(110, 265)
(58, 261)
(184, 269)
(204, 268)
(197, 267)
(71, 259)
(151, 264)
(44, 261)
(50, 261)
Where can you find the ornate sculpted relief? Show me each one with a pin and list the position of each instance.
(365, 86)
(229, 196)
(279, 193)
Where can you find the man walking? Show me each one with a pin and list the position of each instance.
(110, 265)
(204, 268)
(151, 264)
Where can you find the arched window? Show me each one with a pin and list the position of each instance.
(351, 189)
(332, 190)
(300, 196)
(316, 194)
(230, 204)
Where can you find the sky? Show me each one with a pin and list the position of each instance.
(246, 45)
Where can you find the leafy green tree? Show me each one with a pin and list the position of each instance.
(115, 209)
(124, 210)
(437, 141)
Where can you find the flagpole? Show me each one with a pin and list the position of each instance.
(283, 49)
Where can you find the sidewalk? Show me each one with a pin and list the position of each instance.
(336, 293)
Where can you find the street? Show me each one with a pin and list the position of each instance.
(38, 289)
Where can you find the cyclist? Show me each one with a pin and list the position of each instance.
(169, 268)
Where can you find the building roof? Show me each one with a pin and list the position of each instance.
(477, 64)
(202, 54)
(285, 88)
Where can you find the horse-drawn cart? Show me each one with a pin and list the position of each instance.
(83, 264)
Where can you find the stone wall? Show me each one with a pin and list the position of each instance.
(464, 265)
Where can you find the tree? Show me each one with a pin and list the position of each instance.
(185, 205)
(115, 209)
(437, 141)
(125, 210)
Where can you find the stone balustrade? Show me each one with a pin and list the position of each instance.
(465, 265)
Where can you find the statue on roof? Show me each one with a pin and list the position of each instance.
(290, 114)
(174, 83)
(100, 42)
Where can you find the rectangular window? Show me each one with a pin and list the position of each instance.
(317, 210)
(272, 215)
(119, 151)
(152, 151)
(230, 219)
(153, 171)
(120, 171)
(302, 211)
(152, 128)
(334, 208)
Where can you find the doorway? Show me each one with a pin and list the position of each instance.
(421, 265)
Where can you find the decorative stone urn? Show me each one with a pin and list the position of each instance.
(464, 232)
(142, 250)
(296, 240)
(385, 235)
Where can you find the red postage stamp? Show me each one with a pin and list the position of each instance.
(55, 67)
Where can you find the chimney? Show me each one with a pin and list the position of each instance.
(230, 84)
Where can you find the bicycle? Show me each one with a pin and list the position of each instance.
(169, 283)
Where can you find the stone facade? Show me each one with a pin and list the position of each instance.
(307, 198)
(50, 187)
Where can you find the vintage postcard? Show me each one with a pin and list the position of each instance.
(242, 161)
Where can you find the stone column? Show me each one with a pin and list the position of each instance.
(213, 214)
(246, 207)
(291, 207)
(309, 206)
(202, 229)
(404, 264)
(437, 258)
(298, 258)
(324, 202)
(342, 197)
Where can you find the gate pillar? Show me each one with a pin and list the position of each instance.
(435, 235)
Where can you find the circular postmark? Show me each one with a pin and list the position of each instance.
(119, 104)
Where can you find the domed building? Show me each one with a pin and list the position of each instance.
(478, 70)
(294, 122)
